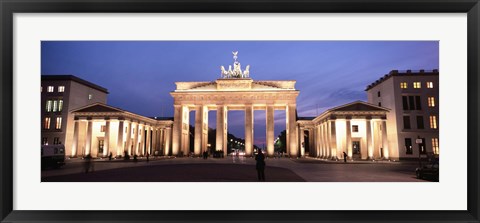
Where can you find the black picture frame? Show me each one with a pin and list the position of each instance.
(9, 7)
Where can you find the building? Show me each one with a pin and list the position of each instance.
(357, 128)
(234, 90)
(100, 129)
(61, 94)
(413, 120)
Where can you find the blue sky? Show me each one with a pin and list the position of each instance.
(140, 74)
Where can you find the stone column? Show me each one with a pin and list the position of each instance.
(310, 140)
(315, 140)
(120, 138)
(348, 147)
(333, 140)
(198, 130)
(292, 134)
(88, 144)
(321, 136)
(177, 130)
(220, 127)
(205, 129)
(225, 131)
(154, 145)
(287, 130)
(369, 139)
(186, 131)
(129, 148)
(319, 144)
(325, 139)
(249, 130)
(270, 130)
(148, 145)
(168, 140)
(328, 134)
(135, 139)
(106, 140)
(385, 139)
(76, 128)
(302, 141)
(161, 141)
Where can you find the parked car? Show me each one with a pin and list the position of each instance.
(428, 171)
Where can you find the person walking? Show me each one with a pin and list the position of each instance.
(88, 163)
(260, 158)
(344, 157)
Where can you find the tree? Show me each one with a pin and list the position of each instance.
(282, 141)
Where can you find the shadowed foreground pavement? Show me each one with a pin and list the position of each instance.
(206, 172)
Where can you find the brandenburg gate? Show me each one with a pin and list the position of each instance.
(234, 90)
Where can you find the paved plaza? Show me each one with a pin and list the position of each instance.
(232, 169)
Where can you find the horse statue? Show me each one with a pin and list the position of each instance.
(224, 72)
(246, 73)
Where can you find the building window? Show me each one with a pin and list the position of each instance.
(408, 146)
(431, 102)
(435, 145)
(405, 102)
(60, 105)
(58, 123)
(403, 85)
(418, 103)
(56, 141)
(102, 128)
(406, 122)
(433, 121)
(61, 88)
(378, 93)
(379, 104)
(420, 124)
(55, 106)
(411, 102)
(46, 123)
(90, 96)
(48, 106)
(429, 84)
(354, 128)
(44, 141)
(417, 85)
(50, 89)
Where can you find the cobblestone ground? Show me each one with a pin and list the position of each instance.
(232, 169)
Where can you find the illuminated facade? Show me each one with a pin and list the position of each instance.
(100, 129)
(412, 97)
(59, 95)
(358, 129)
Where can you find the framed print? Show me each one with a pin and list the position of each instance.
(330, 111)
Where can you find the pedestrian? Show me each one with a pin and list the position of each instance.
(110, 156)
(88, 163)
(344, 157)
(260, 158)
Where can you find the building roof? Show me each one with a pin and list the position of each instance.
(305, 118)
(100, 107)
(394, 73)
(358, 106)
(73, 78)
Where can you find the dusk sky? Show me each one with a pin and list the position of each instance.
(140, 74)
